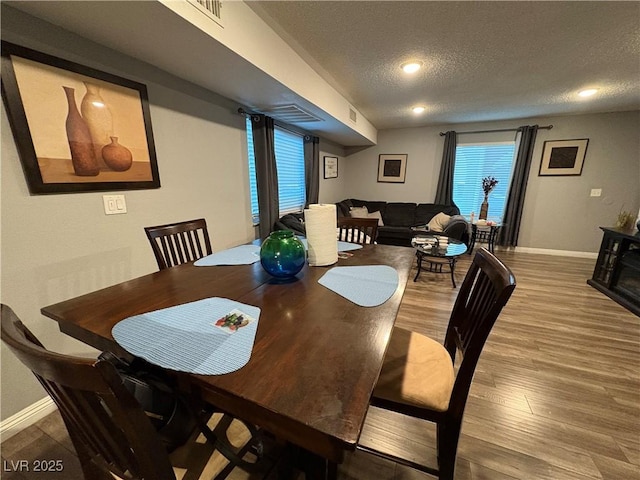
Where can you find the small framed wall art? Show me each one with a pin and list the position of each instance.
(563, 157)
(392, 168)
(330, 167)
(77, 129)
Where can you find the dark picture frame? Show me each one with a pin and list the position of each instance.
(330, 167)
(77, 129)
(563, 157)
(392, 168)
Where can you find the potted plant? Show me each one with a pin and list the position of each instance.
(488, 184)
(625, 220)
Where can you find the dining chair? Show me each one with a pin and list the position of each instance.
(177, 243)
(357, 230)
(419, 378)
(110, 431)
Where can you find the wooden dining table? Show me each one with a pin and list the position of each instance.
(316, 356)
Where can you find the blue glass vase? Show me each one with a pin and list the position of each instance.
(282, 254)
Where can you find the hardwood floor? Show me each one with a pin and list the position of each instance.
(556, 393)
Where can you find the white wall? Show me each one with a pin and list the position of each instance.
(558, 213)
(54, 247)
(332, 189)
(424, 149)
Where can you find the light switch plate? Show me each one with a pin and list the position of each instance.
(596, 192)
(114, 204)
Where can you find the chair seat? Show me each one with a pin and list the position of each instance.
(416, 371)
(417, 377)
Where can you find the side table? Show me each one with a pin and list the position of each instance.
(484, 234)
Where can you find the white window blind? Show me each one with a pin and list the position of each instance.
(289, 149)
(290, 164)
(475, 162)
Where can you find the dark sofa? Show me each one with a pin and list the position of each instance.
(399, 217)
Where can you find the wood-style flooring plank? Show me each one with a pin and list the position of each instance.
(612, 469)
(556, 395)
(557, 381)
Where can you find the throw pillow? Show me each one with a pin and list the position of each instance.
(359, 212)
(439, 222)
(377, 215)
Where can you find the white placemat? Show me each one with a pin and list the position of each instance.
(241, 255)
(185, 338)
(367, 285)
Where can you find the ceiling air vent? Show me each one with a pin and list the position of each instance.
(353, 116)
(291, 114)
(211, 8)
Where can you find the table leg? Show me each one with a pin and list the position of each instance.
(472, 241)
(321, 469)
(299, 460)
(452, 267)
(419, 257)
(331, 470)
(492, 239)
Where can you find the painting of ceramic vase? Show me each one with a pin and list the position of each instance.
(80, 143)
(99, 120)
(116, 156)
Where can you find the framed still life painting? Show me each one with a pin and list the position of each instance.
(77, 129)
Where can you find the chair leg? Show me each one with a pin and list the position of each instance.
(90, 470)
(448, 436)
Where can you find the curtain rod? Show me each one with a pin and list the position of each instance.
(244, 113)
(544, 127)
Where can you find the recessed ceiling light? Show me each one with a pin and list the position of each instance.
(588, 93)
(418, 109)
(411, 67)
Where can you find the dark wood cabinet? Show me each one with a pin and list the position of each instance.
(617, 270)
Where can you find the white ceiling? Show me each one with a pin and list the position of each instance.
(484, 60)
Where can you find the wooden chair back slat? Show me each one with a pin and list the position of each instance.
(487, 287)
(485, 290)
(357, 230)
(178, 243)
(106, 424)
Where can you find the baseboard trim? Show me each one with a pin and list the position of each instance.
(559, 253)
(27, 417)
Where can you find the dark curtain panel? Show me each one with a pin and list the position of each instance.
(311, 168)
(444, 192)
(515, 199)
(266, 173)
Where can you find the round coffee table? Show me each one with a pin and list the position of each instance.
(437, 250)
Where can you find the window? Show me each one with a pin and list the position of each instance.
(290, 164)
(473, 163)
(289, 149)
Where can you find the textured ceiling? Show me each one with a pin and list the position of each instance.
(483, 60)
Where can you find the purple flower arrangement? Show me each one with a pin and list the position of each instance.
(488, 184)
